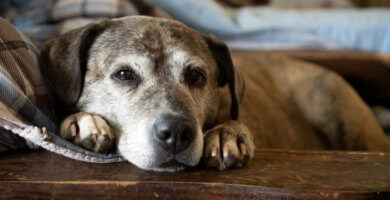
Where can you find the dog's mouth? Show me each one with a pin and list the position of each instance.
(172, 165)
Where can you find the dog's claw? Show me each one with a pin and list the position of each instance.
(228, 145)
(90, 131)
(225, 152)
(242, 149)
(214, 152)
(72, 132)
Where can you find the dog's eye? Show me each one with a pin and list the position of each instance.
(195, 76)
(126, 74)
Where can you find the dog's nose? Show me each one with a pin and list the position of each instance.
(173, 133)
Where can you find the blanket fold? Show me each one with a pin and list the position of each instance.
(52, 142)
(27, 118)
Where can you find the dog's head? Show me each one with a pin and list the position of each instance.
(158, 83)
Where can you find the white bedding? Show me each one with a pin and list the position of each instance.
(273, 28)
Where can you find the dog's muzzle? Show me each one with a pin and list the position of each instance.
(173, 133)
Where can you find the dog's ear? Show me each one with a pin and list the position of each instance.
(64, 59)
(227, 73)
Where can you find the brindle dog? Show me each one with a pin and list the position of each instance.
(169, 97)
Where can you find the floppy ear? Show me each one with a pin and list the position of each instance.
(227, 73)
(63, 62)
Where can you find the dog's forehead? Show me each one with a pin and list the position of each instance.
(145, 35)
(156, 41)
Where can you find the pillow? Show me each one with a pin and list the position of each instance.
(311, 3)
(294, 3)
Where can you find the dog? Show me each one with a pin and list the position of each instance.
(168, 97)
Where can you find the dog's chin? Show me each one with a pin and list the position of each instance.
(170, 166)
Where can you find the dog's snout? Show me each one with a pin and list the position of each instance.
(173, 133)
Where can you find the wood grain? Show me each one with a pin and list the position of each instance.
(272, 174)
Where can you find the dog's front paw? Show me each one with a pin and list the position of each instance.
(87, 130)
(228, 145)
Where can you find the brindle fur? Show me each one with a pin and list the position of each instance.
(289, 104)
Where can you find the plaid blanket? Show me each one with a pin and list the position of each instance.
(23, 94)
(26, 115)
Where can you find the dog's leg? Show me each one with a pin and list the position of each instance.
(228, 145)
(342, 119)
(89, 131)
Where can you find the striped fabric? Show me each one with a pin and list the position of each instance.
(41, 19)
(23, 94)
(92, 8)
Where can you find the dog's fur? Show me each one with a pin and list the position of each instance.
(289, 105)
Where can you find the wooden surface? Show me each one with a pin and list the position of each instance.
(369, 73)
(272, 174)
